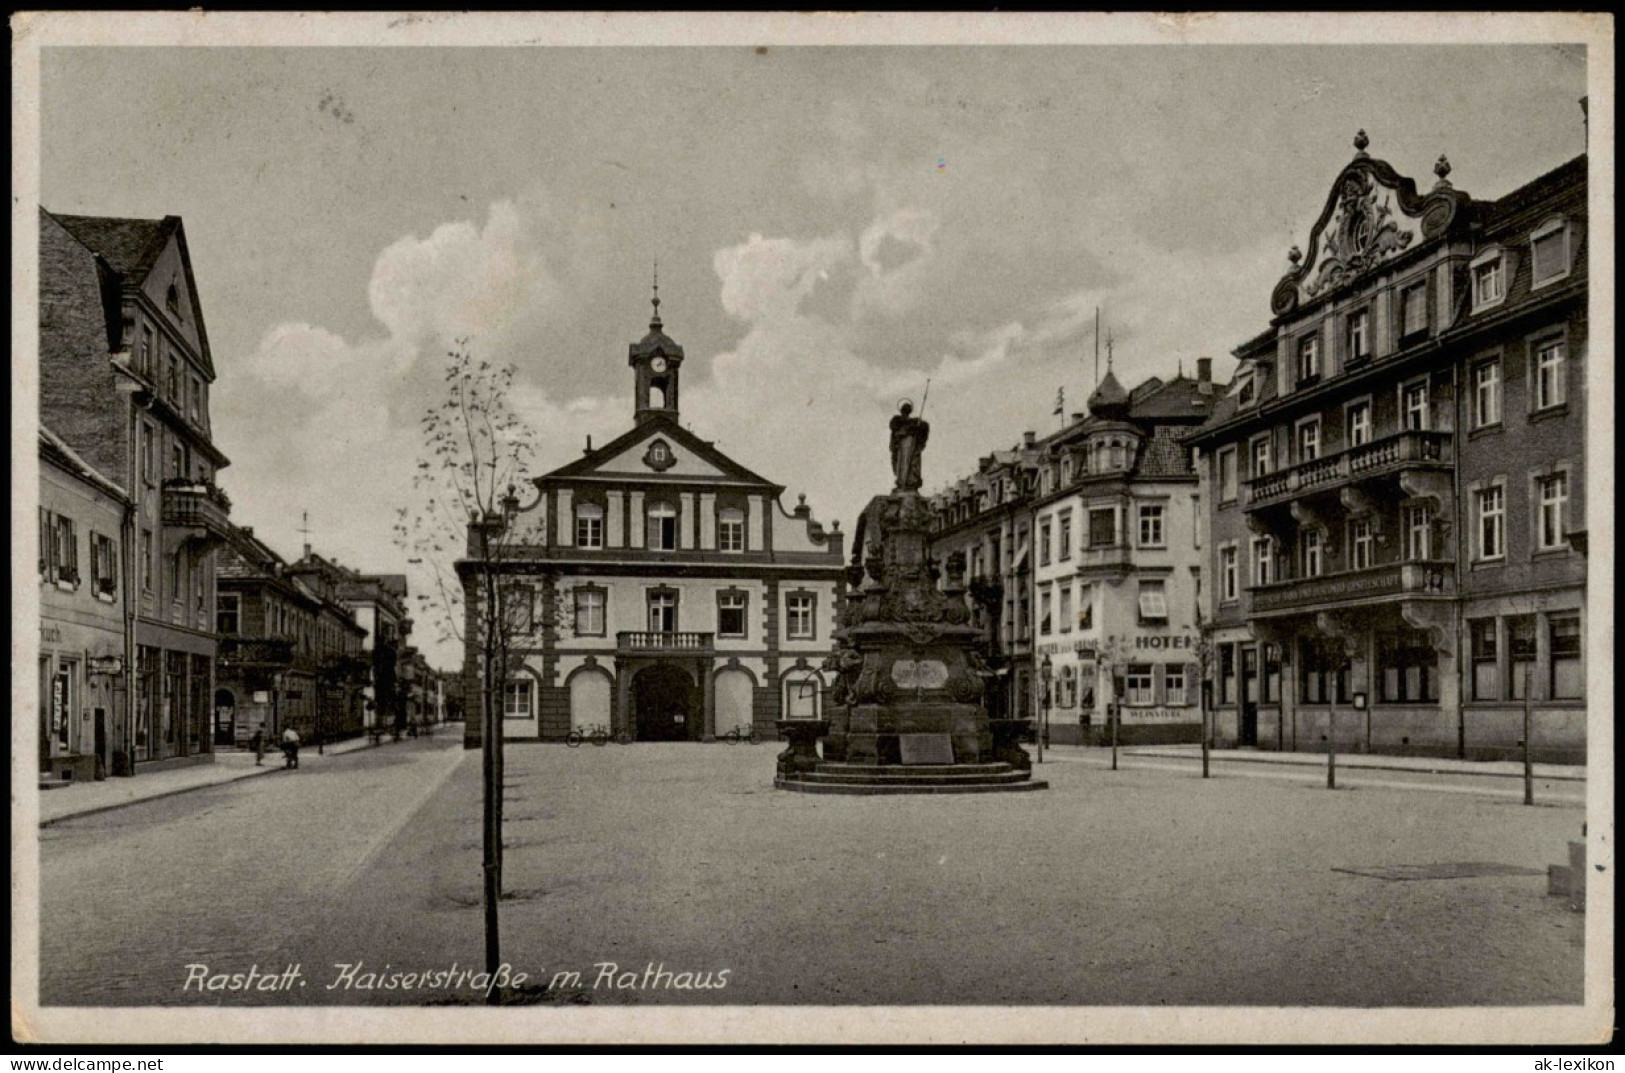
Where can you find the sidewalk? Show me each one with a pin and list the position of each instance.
(1430, 765)
(229, 766)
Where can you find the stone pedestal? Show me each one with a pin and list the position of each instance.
(907, 711)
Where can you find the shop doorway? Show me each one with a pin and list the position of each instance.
(1249, 697)
(225, 717)
(664, 704)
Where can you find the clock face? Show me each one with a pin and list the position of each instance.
(658, 365)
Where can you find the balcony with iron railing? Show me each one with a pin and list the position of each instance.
(662, 642)
(1435, 578)
(197, 505)
(1391, 454)
(274, 653)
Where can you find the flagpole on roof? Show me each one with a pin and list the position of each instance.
(1097, 347)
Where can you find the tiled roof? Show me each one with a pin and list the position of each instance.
(131, 246)
(1180, 397)
(1164, 456)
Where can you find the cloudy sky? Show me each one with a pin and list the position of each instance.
(833, 226)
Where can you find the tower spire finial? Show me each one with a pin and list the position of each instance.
(654, 322)
(1108, 350)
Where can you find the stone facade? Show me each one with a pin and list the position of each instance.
(1104, 573)
(1395, 479)
(125, 373)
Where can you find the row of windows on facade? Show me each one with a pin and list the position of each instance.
(59, 556)
(590, 608)
(800, 694)
(1151, 598)
(660, 530)
(1407, 666)
(281, 620)
(160, 362)
(1145, 685)
(180, 460)
(1548, 392)
(1109, 454)
(1150, 529)
(1421, 542)
(1551, 248)
(172, 703)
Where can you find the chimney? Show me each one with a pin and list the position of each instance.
(1204, 376)
(1029, 438)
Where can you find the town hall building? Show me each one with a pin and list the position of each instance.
(674, 598)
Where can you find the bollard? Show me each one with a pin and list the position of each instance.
(1331, 758)
(1112, 713)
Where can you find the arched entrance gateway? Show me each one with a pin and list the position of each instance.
(665, 704)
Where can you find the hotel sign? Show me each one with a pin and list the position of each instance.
(1353, 585)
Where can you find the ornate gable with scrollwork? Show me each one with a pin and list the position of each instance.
(1372, 215)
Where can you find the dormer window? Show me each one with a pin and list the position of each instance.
(1413, 310)
(1489, 272)
(1550, 251)
(1308, 360)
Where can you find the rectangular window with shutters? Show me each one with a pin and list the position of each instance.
(1486, 659)
(66, 548)
(1568, 670)
(103, 565)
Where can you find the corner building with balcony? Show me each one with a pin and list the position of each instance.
(1396, 478)
(125, 373)
(671, 596)
(1107, 590)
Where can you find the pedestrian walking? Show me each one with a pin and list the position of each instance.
(257, 743)
(290, 747)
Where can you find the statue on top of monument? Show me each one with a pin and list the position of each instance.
(908, 436)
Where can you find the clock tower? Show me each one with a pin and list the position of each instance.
(656, 360)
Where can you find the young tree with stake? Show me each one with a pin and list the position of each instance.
(459, 529)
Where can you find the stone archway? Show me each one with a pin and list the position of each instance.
(665, 704)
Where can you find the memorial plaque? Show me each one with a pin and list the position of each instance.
(926, 674)
(926, 748)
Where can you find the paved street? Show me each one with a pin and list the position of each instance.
(1143, 886)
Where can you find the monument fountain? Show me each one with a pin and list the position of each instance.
(909, 709)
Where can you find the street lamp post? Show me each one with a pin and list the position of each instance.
(1046, 669)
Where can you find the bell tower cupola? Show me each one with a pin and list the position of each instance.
(656, 361)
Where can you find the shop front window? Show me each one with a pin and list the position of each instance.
(1520, 654)
(1568, 670)
(1486, 659)
(1407, 668)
